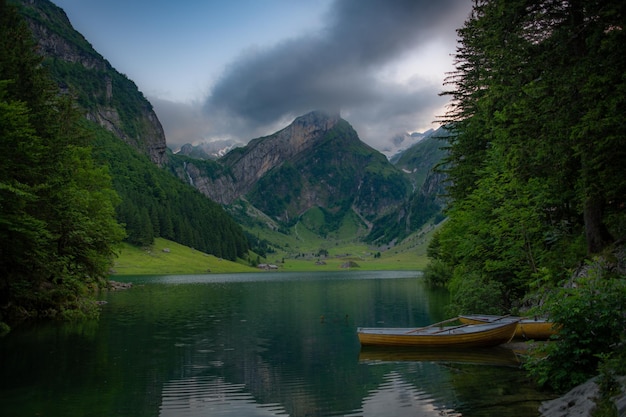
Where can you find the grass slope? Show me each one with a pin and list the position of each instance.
(167, 257)
(299, 253)
(410, 255)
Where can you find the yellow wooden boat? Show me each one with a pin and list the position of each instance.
(527, 328)
(476, 335)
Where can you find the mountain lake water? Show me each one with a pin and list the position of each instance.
(259, 344)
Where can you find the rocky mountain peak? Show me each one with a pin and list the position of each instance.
(248, 164)
(317, 119)
(299, 135)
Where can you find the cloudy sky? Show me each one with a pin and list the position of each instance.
(218, 69)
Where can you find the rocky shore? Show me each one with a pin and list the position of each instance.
(581, 401)
(116, 285)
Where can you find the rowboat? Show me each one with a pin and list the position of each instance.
(465, 335)
(527, 328)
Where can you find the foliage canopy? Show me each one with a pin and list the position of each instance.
(538, 140)
(57, 221)
(536, 155)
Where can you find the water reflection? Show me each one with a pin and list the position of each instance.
(494, 356)
(249, 345)
(212, 396)
(403, 398)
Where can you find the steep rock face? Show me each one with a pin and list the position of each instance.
(263, 154)
(68, 54)
(245, 166)
(52, 45)
(221, 188)
(316, 162)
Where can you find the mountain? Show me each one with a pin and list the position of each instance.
(153, 202)
(316, 170)
(208, 150)
(243, 167)
(108, 97)
(401, 142)
(418, 160)
(317, 162)
(319, 165)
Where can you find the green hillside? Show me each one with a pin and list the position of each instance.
(167, 257)
(156, 204)
(153, 202)
(301, 251)
(420, 158)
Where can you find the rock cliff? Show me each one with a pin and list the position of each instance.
(317, 161)
(108, 98)
(245, 166)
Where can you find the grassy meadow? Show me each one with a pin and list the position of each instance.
(298, 252)
(166, 257)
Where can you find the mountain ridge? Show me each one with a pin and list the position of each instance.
(263, 154)
(126, 137)
(243, 166)
(105, 98)
(316, 163)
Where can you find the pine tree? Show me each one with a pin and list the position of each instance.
(57, 227)
(537, 141)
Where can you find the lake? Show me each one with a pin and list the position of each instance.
(260, 344)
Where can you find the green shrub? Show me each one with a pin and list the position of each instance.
(591, 314)
(437, 273)
(611, 365)
(473, 293)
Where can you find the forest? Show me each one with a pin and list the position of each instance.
(154, 203)
(57, 207)
(71, 191)
(536, 188)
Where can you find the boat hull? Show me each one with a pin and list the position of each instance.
(481, 335)
(527, 328)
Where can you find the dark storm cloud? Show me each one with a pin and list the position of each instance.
(339, 66)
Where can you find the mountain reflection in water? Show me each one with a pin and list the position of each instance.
(212, 396)
(403, 398)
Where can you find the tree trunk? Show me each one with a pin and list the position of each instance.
(598, 236)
